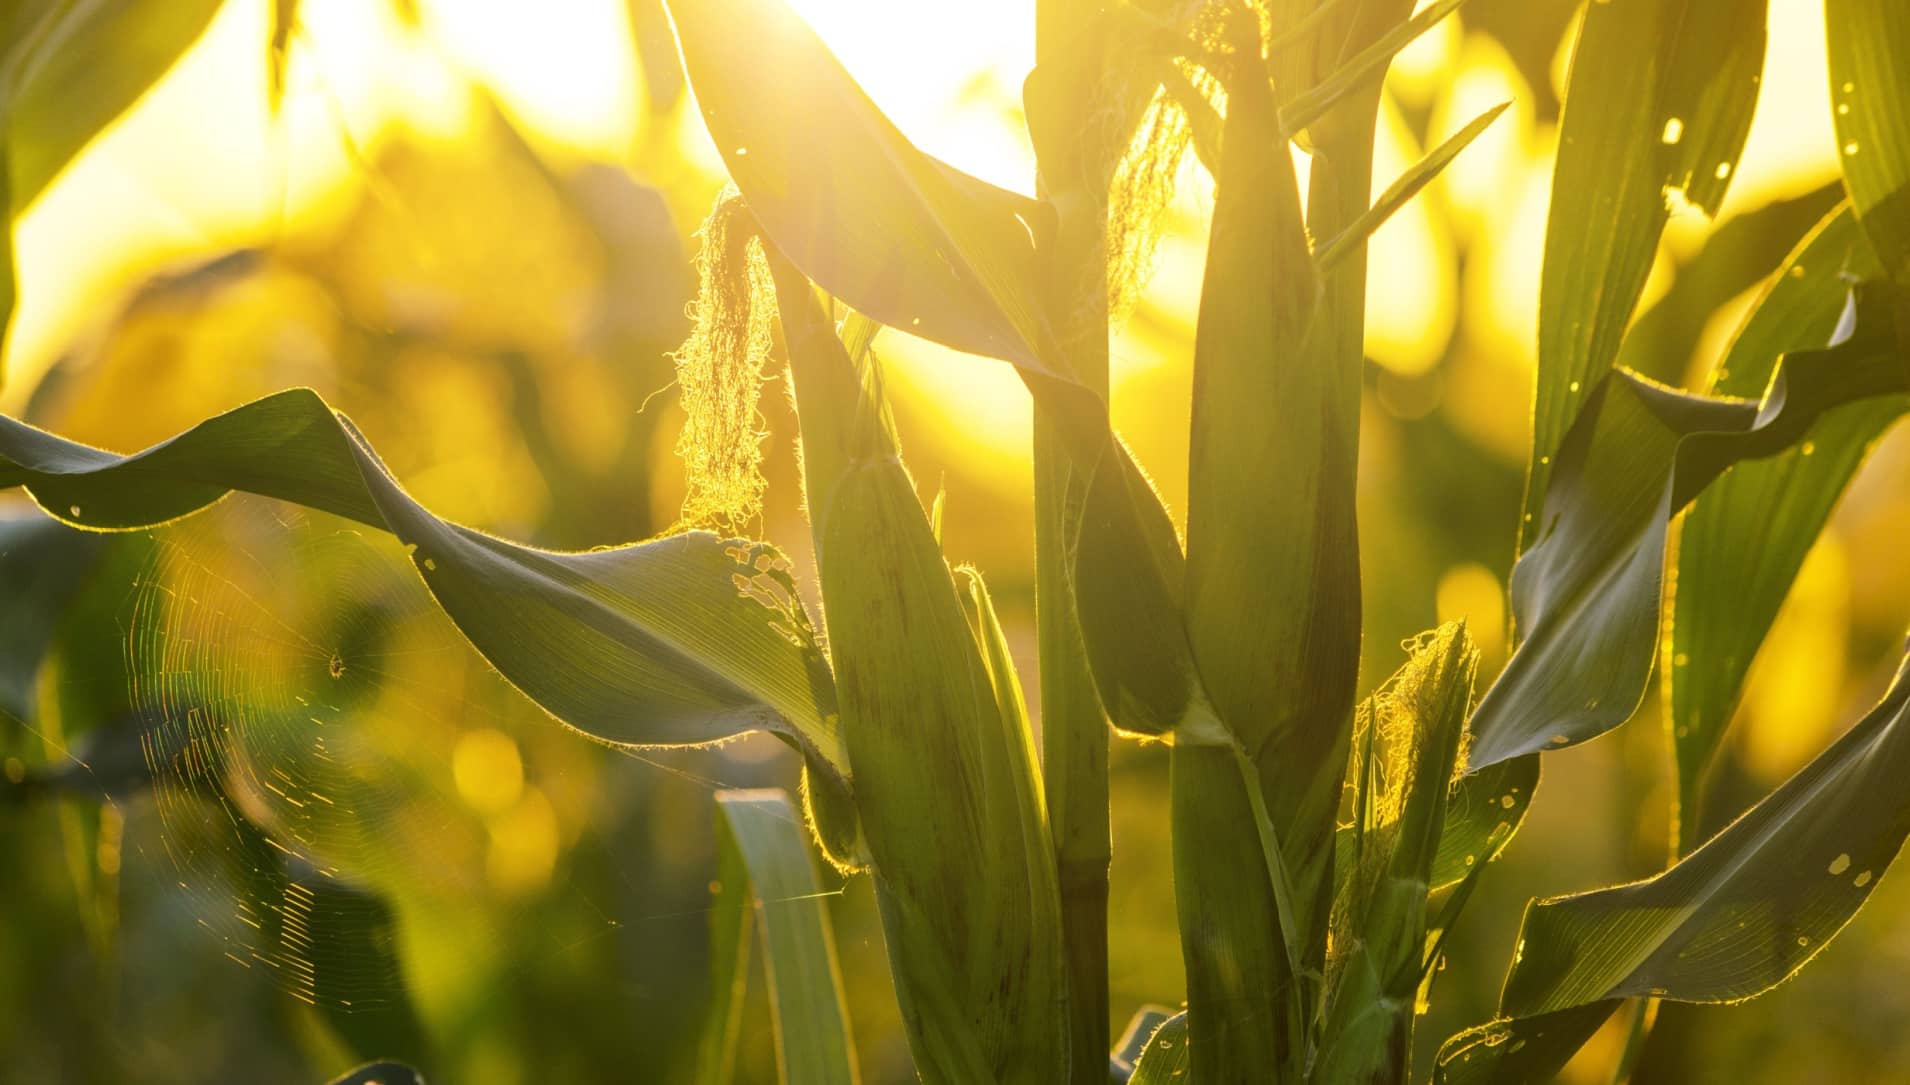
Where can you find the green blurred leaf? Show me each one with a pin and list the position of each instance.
(1738, 916)
(946, 787)
(1675, 119)
(680, 641)
(1587, 594)
(43, 564)
(1869, 52)
(1742, 542)
(765, 869)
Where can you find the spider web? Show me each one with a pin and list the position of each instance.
(332, 766)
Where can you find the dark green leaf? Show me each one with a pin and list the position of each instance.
(1738, 916)
(42, 566)
(1587, 594)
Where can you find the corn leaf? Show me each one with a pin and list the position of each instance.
(1167, 1058)
(1869, 52)
(948, 798)
(381, 1073)
(1738, 916)
(680, 641)
(1676, 121)
(766, 876)
(1521, 1051)
(1404, 188)
(1587, 595)
(1741, 544)
(1483, 810)
(895, 233)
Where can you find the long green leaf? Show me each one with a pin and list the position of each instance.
(1675, 120)
(1404, 188)
(1741, 544)
(1587, 595)
(1869, 54)
(680, 641)
(946, 789)
(765, 871)
(1736, 917)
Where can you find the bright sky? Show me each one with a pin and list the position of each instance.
(200, 165)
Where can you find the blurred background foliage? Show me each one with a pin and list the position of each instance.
(469, 225)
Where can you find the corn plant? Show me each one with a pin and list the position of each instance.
(1323, 845)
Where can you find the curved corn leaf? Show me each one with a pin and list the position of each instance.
(43, 564)
(1412, 730)
(1869, 52)
(683, 640)
(381, 1073)
(895, 233)
(1166, 1060)
(765, 874)
(1587, 594)
(1738, 916)
(946, 793)
(1675, 121)
(1744, 539)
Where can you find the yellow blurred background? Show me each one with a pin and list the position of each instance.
(469, 225)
